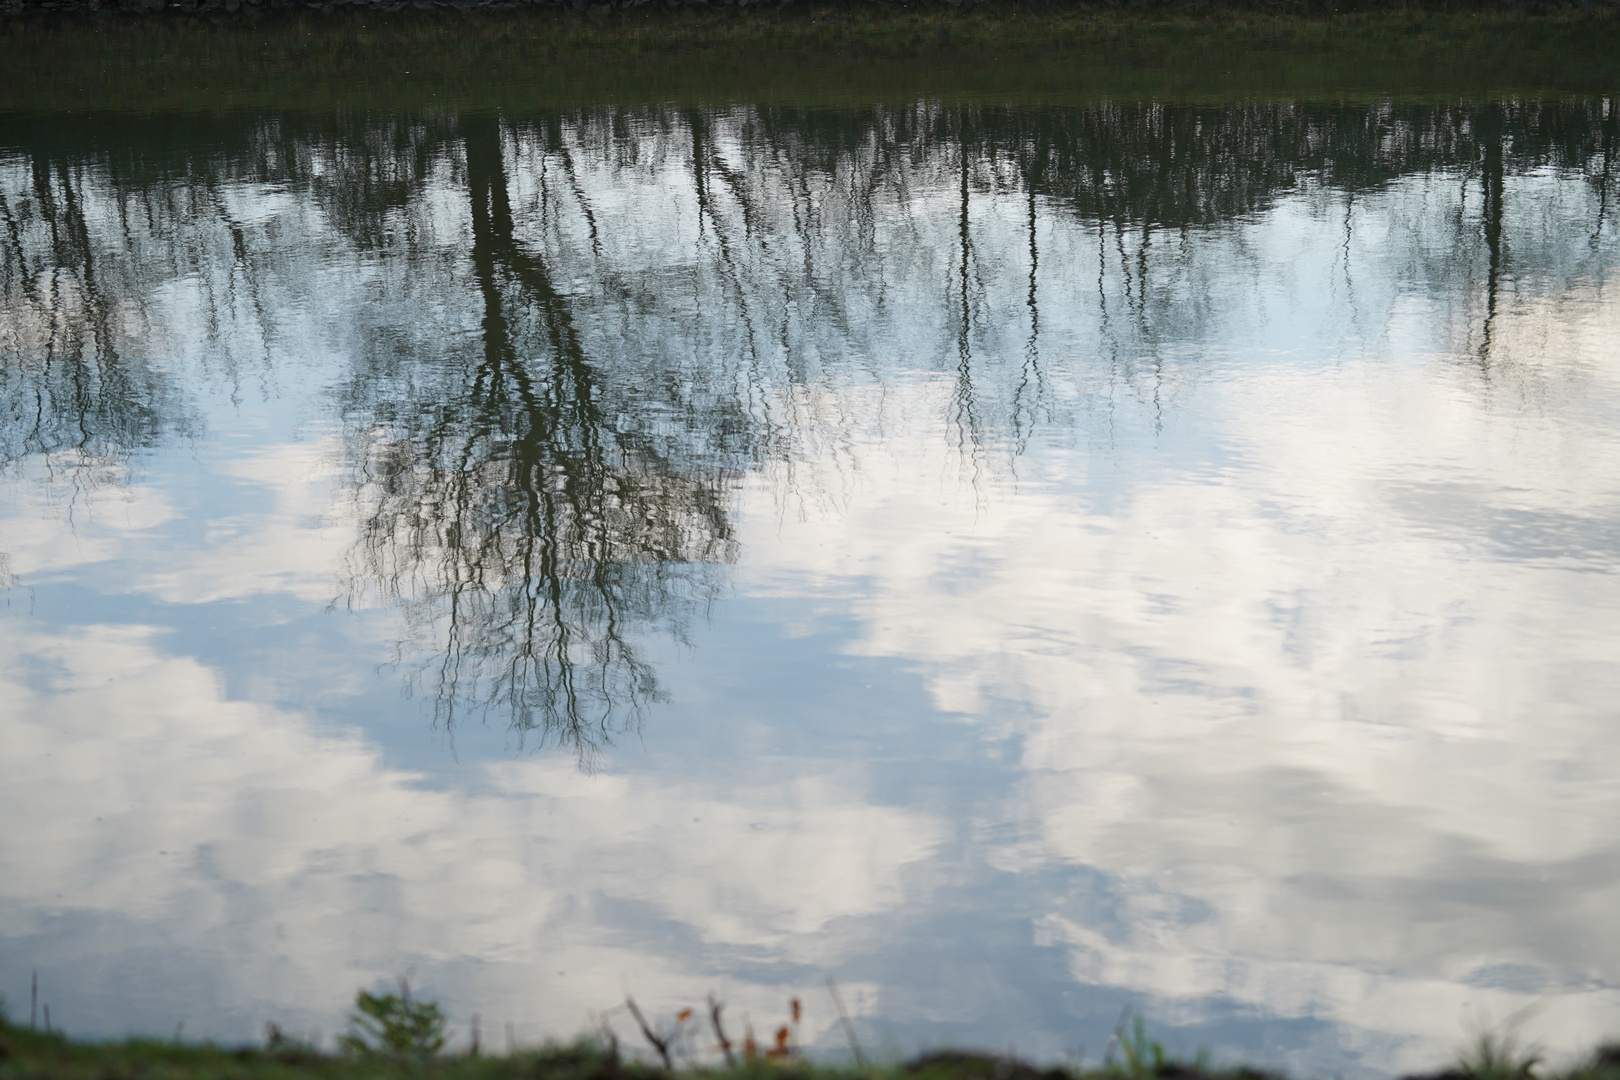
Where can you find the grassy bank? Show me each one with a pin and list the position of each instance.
(803, 55)
(27, 1054)
(397, 1034)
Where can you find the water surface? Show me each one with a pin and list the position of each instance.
(1021, 563)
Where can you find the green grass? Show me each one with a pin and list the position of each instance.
(805, 55)
(393, 1035)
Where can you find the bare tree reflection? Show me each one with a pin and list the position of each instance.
(72, 399)
(524, 525)
(1489, 126)
(552, 393)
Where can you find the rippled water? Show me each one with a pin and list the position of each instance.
(1017, 563)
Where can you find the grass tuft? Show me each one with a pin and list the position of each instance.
(1498, 1055)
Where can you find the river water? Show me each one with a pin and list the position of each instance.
(1022, 564)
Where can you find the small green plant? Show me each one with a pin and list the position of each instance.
(1131, 1053)
(395, 1026)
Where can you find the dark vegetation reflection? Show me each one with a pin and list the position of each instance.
(544, 424)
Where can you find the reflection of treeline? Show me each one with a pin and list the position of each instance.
(1186, 164)
(546, 409)
(1200, 165)
(1173, 164)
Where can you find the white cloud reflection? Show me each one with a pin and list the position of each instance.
(1334, 706)
(170, 827)
(1326, 691)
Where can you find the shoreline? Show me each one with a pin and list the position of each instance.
(806, 56)
(1139, 9)
(384, 1043)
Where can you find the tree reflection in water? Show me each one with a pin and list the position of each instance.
(75, 404)
(506, 508)
(548, 404)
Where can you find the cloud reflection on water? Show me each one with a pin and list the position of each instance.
(1249, 540)
(1339, 734)
(174, 833)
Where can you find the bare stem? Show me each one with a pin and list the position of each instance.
(720, 1032)
(660, 1045)
(843, 1018)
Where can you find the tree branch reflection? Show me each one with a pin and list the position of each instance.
(523, 524)
(72, 401)
(566, 336)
